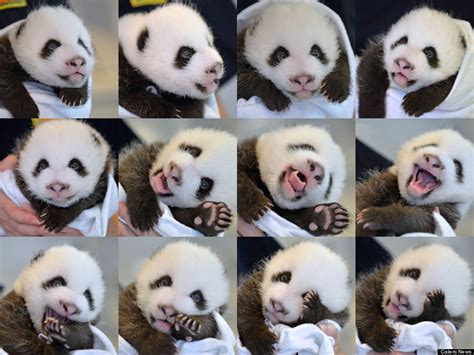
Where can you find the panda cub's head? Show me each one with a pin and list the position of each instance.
(61, 161)
(174, 48)
(294, 46)
(301, 166)
(180, 278)
(436, 167)
(286, 281)
(425, 46)
(422, 270)
(64, 282)
(54, 47)
(196, 165)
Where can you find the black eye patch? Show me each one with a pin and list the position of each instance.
(431, 56)
(90, 299)
(284, 277)
(49, 48)
(22, 26)
(191, 149)
(57, 281)
(413, 273)
(277, 56)
(142, 39)
(425, 146)
(328, 191)
(83, 45)
(96, 139)
(205, 188)
(318, 53)
(399, 42)
(78, 167)
(42, 164)
(198, 300)
(183, 57)
(302, 146)
(164, 281)
(459, 171)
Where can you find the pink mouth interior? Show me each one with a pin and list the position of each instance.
(51, 313)
(295, 181)
(400, 79)
(163, 325)
(423, 182)
(160, 184)
(394, 310)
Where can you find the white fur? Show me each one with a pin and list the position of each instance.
(60, 24)
(59, 141)
(80, 271)
(451, 145)
(297, 27)
(425, 27)
(170, 27)
(274, 158)
(217, 161)
(441, 269)
(313, 267)
(191, 267)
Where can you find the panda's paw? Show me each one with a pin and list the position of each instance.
(73, 96)
(329, 218)
(213, 217)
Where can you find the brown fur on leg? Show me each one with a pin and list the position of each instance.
(314, 311)
(336, 85)
(73, 96)
(136, 330)
(373, 82)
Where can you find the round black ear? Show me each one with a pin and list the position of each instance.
(142, 39)
(37, 257)
(253, 26)
(20, 29)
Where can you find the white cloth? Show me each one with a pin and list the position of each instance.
(167, 225)
(305, 339)
(49, 104)
(424, 338)
(102, 345)
(276, 226)
(443, 228)
(460, 101)
(224, 345)
(316, 107)
(92, 222)
(211, 110)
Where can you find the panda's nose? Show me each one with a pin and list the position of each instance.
(174, 172)
(58, 187)
(76, 62)
(402, 63)
(69, 308)
(214, 69)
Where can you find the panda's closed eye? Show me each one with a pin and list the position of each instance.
(318, 53)
(413, 273)
(90, 299)
(164, 281)
(205, 188)
(284, 277)
(431, 56)
(57, 281)
(191, 149)
(42, 164)
(76, 165)
(49, 48)
(198, 299)
(183, 56)
(82, 44)
(277, 56)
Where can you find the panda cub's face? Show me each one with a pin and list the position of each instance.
(174, 48)
(436, 167)
(301, 166)
(196, 165)
(62, 282)
(423, 47)
(181, 278)
(54, 47)
(294, 46)
(62, 160)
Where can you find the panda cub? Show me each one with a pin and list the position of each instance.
(51, 46)
(62, 169)
(168, 64)
(414, 288)
(433, 170)
(421, 55)
(298, 172)
(291, 52)
(173, 298)
(280, 292)
(193, 174)
(52, 304)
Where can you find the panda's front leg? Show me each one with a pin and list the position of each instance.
(17, 100)
(209, 218)
(145, 104)
(73, 96)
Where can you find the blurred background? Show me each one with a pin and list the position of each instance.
(378, 142)
(16, 254)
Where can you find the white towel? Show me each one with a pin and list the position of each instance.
(424, 338)
(460, 101)
(102, 345)
(443, 228)
(317, 107)
(92, 222)
(305, 339)
(224, 345)
(276, 226)
(49, 104)
(167, 225)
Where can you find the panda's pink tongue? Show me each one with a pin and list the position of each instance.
(294, 178)
(160, 184)
(423, 182)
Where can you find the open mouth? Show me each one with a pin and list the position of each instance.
(159, 182)
(303, 93)
(401, 79)
(161, 324)
(209, 87)
(51, 313)
(294, 182)
(74, 77)
(423, 182)
(393, 310)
